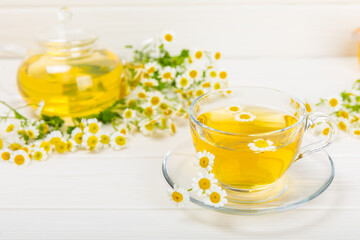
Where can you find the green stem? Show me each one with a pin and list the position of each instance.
(17, 114)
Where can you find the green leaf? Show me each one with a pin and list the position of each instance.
(54, 121)
(345, 97)
(70, 129)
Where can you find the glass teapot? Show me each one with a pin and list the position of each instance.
(69, 74)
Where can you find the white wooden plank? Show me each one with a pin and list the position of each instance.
(239, 30)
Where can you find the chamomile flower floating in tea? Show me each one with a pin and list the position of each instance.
(178, 195)
(244, 117)
(261, 145)
(216, 197)
(203, 182)
(205, 160)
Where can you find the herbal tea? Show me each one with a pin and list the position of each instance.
(244, 161)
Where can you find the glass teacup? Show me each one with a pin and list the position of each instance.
(254, 133)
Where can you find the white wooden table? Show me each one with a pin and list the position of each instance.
(122, 195)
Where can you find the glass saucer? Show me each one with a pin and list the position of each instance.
(304, 180)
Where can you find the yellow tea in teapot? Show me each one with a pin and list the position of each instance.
(243, 160)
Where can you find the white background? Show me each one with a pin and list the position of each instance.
(302, 47)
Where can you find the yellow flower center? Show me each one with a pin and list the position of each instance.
(145, 75)
(150, 126)
(344, 114)
(198, 54)
(82, 126)
(10, 128)
(355, 119)
(38, 155)
(261, 143)
(173, 128)
(104, 139)
(184, 82)
(177, 197)
(244, 116)
(213, 74)
(30, 134)
(204, 162)
(55, 140)
(123, 131)
(308, 107)
(120, 140)
(167, 75)
(141, 95)
(326, 131)
(15, 146)
(61, 147)
(223, 75)
(5, 156)
(206, 85)
(234, 108)
(46, 146)
(1, 143)
(155, 100)
(333, 102)
(217, 86)
(93, 128)
(215, 197)
(149, 84)
(19, 159)
(45, 127)
(22, 131)
(128, 114)
(217, 55)
(78, 137)
(199, 92)
(26, 149)
(193, 73)
(204, 183)
(132, 102)
(92, 141)
(357, 132)
(342, 126)
(149, 111)
(190, 92)
(168, 112)
(69, 145)
(168, 37)
(151, 70)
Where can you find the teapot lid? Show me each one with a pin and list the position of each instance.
(65, 34)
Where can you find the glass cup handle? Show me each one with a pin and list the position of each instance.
(323, 142)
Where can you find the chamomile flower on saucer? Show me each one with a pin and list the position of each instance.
(203, 182)
(149, 82)
(167, 37)
(205, 160)
(129, 115)
(234, 108)
(77, 135)
(147, 127)
(155, 98)
(244, 117)
(39, 154)
(167, 74)
(178, 195)
(71, 145)
(104, 140)
(151, 67)
(61, 146)
(183, 82)
(91, 142)
(54, 137)
(118, 141)
(261, 145)
(5, 154)
(20, 158)
(216, 197)
(93, 126)
(32, 132)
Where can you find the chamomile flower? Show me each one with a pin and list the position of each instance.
(45, 145)
(122, 128)
(71, 145)
(151, 67)
(1, 143)
(5, 154)
(172, 127)
(104, 140)
(167, 37)
(118, 141)
(223, 74)
(183, 82)
(149, 82)
(343, 113)
(261, 145)
(129, 115)
(155, 98)
(167, 74)
(32, 132)
(206, 85)
(54, 137)
(216, 84)
(244, 117)
(38, 154)
(77, 135)
(178, 195)
(193, 72)
(197, 54)
(61, 146)
(212, 74)
(91, 142)
(343, 124)
(234, 108)
(199, 92)
(20, 158)
(355, 131)
(334, 102)
(216, 56)
(93, 126)
(322, 129)
(203, 182)
(83, 124)
(148, 109)
(16, 144)
(216, 197)
(205, 160)
(10, 126)
(147, 127)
